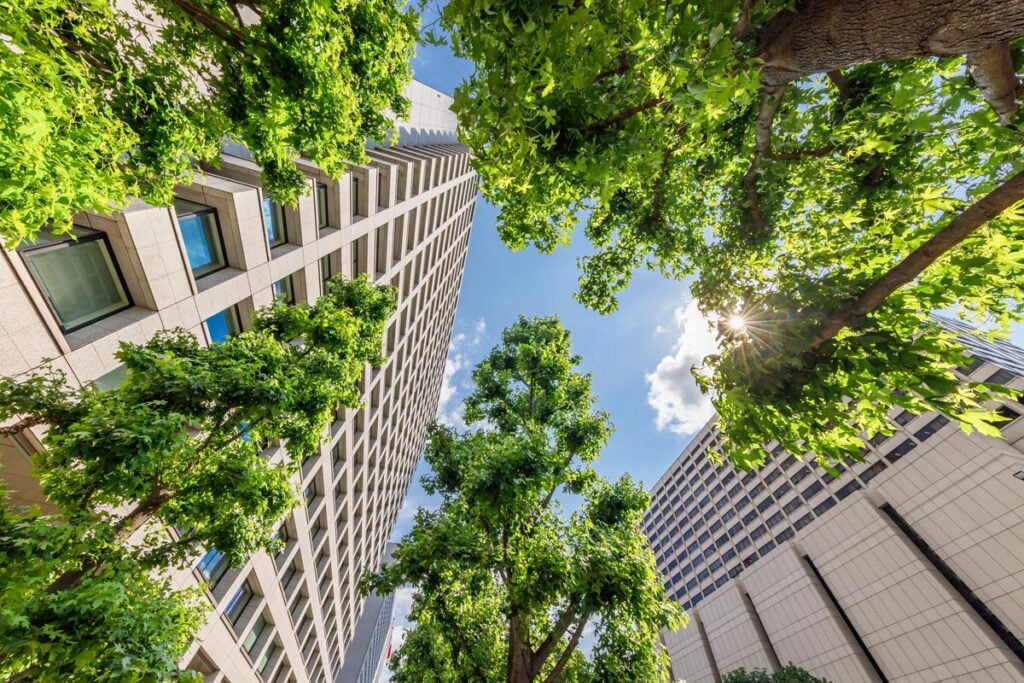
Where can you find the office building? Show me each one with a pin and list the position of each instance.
(205, 264)
(907, 566)
(368, 655)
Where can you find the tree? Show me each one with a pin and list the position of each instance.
(830, 172)
(788, 674)
(506, 582)
(98, 104)
(177, 446)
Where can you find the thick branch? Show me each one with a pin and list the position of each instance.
(770, 102)
(23, 424)
(218, 26)
(840, 81)
(556, 673)
(971, 219)
(743, 28)
(798, 154)
(620, 69)
(827, 35)
(992, 69)
(626, 114)
(562, 625)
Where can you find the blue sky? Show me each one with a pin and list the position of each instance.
(621, 350)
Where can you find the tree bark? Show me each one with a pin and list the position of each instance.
(827, 35)
(971, 219)
(992, 70)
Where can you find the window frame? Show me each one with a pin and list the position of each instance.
(220, 235)
(284, 221)
(68, 240)
(322, 205)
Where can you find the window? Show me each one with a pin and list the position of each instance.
(273, 219)
(824, 506)
(766, 548)
(750, 517)
(765, 504)
(901, 450)
(800, 475)
(1001, 377)
(792, 505)
(933, 426)
(903, 418)
(775, 519)
(321, 205)
(782, 490)
(808, 492)
(212, 566)
(1009, 415)
(284, 290)
(804, 521)
(224, 325)
(715, 566)
(326, 271)
(758, 532)
(310, 492)
(254, 634)
(848, 489)
(729, 554)
(355, 196)
(79, 279)
(282, 535)
(264, 660)
(772, 476)
(200, 231)
(743, 544)
(873, 471)
(238, 602)
(785, 536)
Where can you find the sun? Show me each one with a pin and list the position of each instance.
(737, 323)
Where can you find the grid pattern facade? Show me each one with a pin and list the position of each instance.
(735, 548)
(404, 219)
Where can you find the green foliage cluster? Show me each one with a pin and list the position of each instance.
(97, 104)
(785, 192)
(788, 674)
(506, 581)
(178, 445)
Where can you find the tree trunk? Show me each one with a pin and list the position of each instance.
(828, 35)
(518, 666)
(127, 525)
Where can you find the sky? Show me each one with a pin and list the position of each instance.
(639, 356)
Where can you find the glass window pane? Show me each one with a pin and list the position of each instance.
(325, 273)
(223, 325)
(201, 234)
(79, 280)
(273, 217)
(283, 290)
(254, 633)
(321, 205)
(212, 566)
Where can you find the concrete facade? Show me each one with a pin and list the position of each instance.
(404, 218)
(908, 567)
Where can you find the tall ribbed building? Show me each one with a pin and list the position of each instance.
(224, 249)
(906, 567)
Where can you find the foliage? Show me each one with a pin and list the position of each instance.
(179, 444)
(506, 581)
(788, 674)
(97, 105)
(786, 196)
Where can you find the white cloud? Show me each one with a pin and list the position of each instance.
(672, 391)
(457, 367)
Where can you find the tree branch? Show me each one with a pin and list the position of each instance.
(622, 67)
(798, 154)
(218, 26)
(625, 114)
(840, 81)
(962, 226)
(743, 28)
(23, 424)
(770, 102)
(561, 625)
(992, 70)
(556, 673)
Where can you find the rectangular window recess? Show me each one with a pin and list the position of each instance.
(846, 620)
(980, 608)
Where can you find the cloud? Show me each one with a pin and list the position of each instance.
(672, 391)
(456, 370)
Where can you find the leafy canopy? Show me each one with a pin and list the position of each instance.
(698, 142)
(506, 580)
(180, 444)
(788, 674)
(98, 105)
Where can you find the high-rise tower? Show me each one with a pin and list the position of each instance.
(907, 566)
(224, 249)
